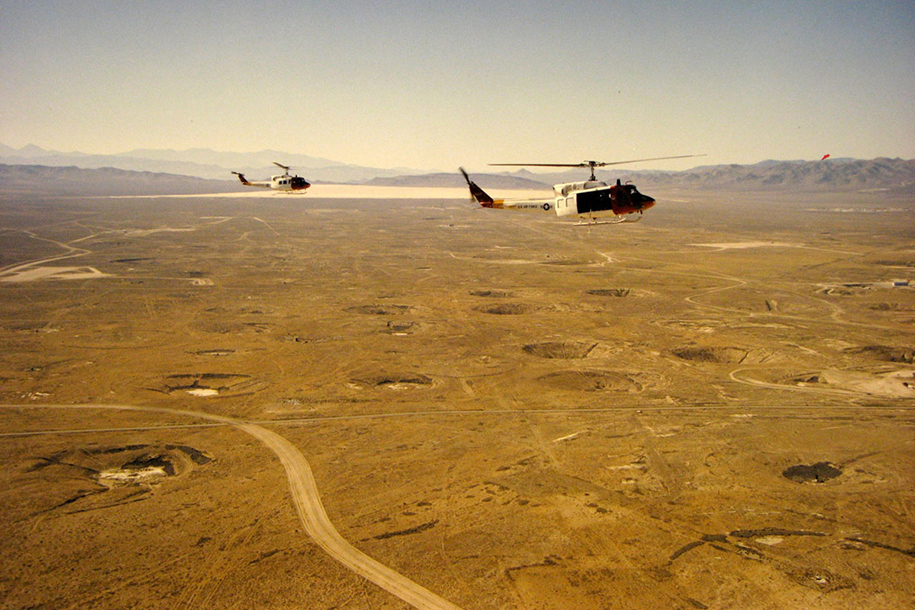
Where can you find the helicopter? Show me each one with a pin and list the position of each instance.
(589, 200)
(285, 182)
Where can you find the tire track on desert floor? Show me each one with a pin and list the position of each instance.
(307, 501)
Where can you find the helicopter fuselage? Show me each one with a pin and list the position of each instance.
(596, 199)
(283, 182)
(288, 183)
(592, 199)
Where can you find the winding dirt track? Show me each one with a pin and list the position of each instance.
(308, 504)
(71, 252)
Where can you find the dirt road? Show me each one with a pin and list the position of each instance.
(311, 511)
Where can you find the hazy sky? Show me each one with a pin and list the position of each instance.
(433, 85)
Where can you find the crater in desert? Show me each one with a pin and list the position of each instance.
(396, 381)
(565, 350)
(379, 310)
(124, 465)
(591, 381)
(506, 309)
(813, 473)
(205, 384)
(610, 292)
(733, 355)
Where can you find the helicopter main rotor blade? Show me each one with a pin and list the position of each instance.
(286, 167)
(591, 163)
(640, 160)
(539, 164)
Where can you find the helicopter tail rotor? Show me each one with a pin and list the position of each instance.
(478, 194)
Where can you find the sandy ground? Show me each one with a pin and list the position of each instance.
(54, 273)
(508, 410)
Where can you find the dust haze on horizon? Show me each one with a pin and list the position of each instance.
(431, 86)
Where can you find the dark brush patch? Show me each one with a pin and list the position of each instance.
(492, 294)
(814, 473)
(610, 292)
(407, 532)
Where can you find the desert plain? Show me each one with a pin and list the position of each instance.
(712, 408)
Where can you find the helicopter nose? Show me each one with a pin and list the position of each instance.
(647, 202)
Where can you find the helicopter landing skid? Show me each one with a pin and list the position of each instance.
(591, 221)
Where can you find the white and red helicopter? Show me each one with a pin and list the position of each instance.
(588, 200)
(284, 182)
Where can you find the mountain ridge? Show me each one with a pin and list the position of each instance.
(186, 169)
(832, 175)
(48, 181)
(201, 163)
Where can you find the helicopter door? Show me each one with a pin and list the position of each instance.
(597, 200)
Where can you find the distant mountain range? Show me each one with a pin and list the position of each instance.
(202, 163)
(33, 169)
(454, 179)
(45, 181)
(829, 175)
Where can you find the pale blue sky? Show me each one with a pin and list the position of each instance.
(433, 85)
